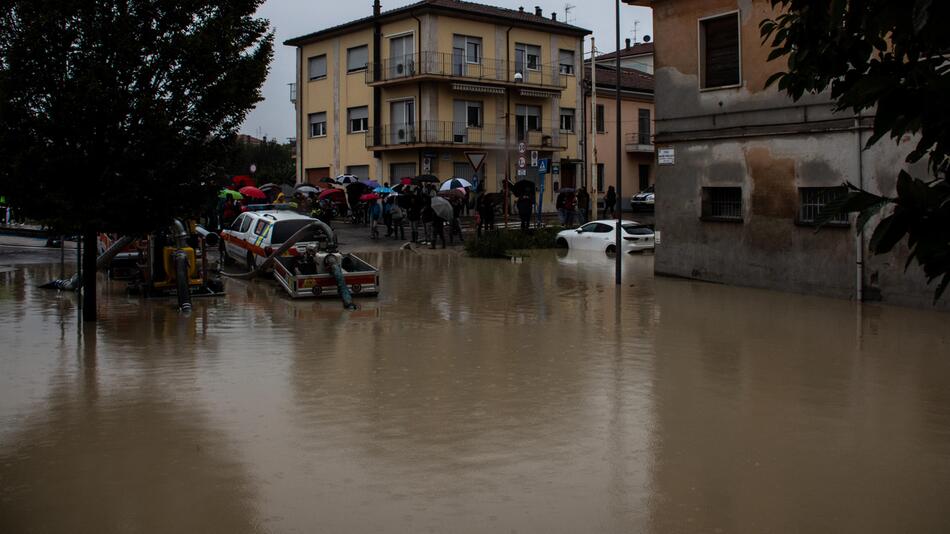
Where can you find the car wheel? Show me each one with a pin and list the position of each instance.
(250, 261)
(226, 258)
(561, 243)
(611, 249)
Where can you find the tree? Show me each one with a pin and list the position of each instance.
(889, 56)
(274, 161)
(116, 113)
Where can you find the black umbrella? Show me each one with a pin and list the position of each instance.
(523, 187)
(426, 179)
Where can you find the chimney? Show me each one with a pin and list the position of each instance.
(377, 9)
(554, 15)
(628, 43)
(537, 11)
(521, 9)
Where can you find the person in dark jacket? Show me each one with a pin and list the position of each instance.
(583, 206)
(524, 205)
(610, 200)
(415, 213)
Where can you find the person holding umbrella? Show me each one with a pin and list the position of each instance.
(583, 206)
(442, 212)
(525, 206)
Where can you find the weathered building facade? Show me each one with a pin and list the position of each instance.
(413, 90)
(744, 170)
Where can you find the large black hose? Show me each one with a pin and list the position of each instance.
(181, 280)
(298, 235)
(345, 295)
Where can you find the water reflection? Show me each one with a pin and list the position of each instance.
(474, 396)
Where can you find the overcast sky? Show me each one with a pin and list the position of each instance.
(274, 117)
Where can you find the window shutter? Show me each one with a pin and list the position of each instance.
(357, 58)
(318, 67)
(722, 51)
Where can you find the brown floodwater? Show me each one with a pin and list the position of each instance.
(473, 396)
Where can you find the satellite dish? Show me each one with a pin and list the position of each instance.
(646, 39)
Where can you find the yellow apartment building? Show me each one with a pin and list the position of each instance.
(425, 88)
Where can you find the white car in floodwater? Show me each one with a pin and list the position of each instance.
(602, 236)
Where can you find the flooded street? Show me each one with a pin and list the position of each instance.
(473, 396)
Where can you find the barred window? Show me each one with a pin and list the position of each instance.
(723, 203)
(813, 200)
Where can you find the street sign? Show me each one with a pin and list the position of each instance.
(476, 159)
(426, 165)
(534, 158)
(543, 166)
(522, 148)
(555, 168)
(522, 162)
(522, 172)
(666, 155)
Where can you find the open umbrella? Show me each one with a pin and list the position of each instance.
(242, 180)
(327, 180)
(230, 193)
(523, 187)
(253, 192)
(455, 183)
(452, 193)
(308, 189)
(426, 179)
(265, 187)
(405, 181)
(442, 208)
(370, 183)
(382, 190)
(327, 193)
(368, 197)
(346, 179)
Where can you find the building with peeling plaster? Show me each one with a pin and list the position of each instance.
(744, 170)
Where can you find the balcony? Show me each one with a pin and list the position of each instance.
(639, 143)
(442, 134)
(293, 93)
(453, 67)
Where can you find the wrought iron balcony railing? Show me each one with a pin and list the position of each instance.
(443, 133)
(457, 67)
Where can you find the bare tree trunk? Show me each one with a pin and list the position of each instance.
(90, 239)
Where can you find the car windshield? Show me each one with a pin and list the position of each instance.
(283, 230)
(633, 229)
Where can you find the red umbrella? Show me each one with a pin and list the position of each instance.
(252, 192)
(243, 180)
(330, 192)
(368, 197)
(406, 181)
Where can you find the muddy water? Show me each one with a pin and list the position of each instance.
(474, 396)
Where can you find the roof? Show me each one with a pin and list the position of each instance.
(450, 7)
(640, 49)
(630, 79)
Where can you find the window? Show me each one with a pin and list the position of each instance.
(357, 58)
(527, 119)
(358, 119)
(601, 169)
(398, 171)
(567, 120)
(597, 228)
(601, 119)
(260, 227)
(246, 224)
(360, 171)
(318, 67)
(527, 56)
(719, 51)
(645, 130)
(318, 124)
(814, 199)
(473, 50)
(566, 63)
(473, 114)
(722, 203)
(236, 225)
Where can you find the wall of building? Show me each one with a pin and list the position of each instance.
(606, 143)
(760, 140)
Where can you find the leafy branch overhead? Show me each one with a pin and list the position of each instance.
(887, 59)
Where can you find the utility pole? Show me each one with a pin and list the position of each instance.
(594, 185)
(619, 133)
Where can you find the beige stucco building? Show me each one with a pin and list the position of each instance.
(413, 90)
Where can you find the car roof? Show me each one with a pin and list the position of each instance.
(279, 215)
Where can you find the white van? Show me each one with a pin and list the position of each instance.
(255, 234)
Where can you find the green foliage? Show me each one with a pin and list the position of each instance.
(500, 243)
(889, 58)
(274, 161)
(117, 113)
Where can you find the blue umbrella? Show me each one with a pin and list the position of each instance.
(382, 190)
(370, 183)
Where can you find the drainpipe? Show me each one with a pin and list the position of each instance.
(859, 237)
(419, 128)
(377, 91)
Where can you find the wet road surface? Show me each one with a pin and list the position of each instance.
(473, 396)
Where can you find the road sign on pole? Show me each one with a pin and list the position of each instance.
(534, 158)
(476, 159)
